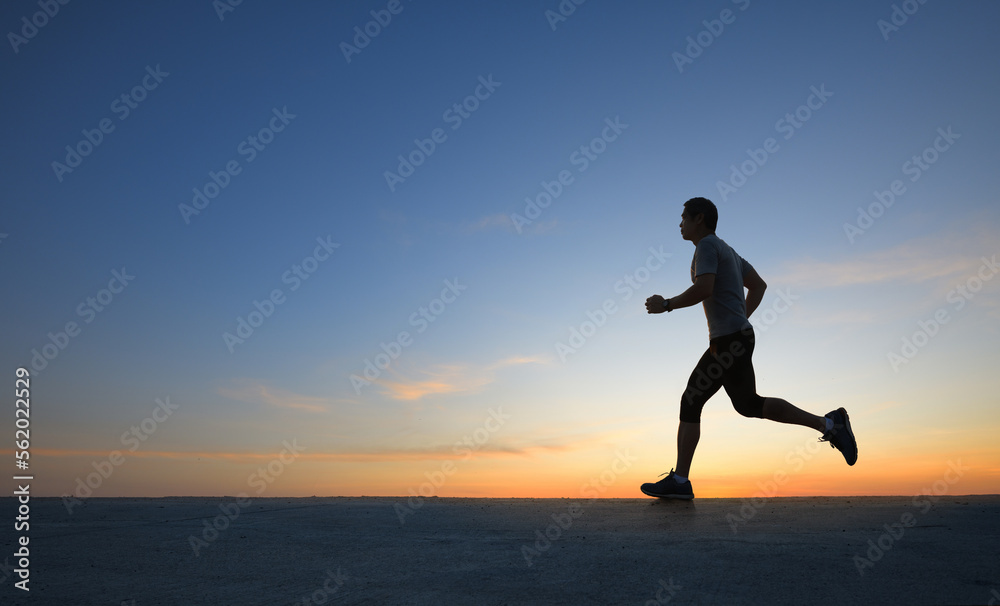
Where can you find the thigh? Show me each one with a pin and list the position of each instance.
(706, 379)
(739, 378)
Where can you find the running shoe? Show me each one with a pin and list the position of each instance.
(668, 488)
(841, 437)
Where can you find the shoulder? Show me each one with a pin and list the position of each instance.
(710, 242)
(721, 245)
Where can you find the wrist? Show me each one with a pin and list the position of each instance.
(666, 305)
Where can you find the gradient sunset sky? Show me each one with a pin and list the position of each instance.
(791, 116)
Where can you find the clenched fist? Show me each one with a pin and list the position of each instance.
(654, 305)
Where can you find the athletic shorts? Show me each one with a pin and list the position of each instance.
(728, 363)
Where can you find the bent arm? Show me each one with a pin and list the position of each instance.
(755, 290)
(698, 292)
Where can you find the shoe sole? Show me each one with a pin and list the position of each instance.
(850, 432)
(684, 497)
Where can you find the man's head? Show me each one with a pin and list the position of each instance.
(698, 219)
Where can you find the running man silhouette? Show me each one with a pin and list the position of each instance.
(719, 275)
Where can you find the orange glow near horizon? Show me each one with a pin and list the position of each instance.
(157, 474)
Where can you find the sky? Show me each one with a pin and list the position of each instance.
(403, 248)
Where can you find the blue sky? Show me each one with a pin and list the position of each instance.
(323, 176)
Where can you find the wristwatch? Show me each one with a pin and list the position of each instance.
(666, 305)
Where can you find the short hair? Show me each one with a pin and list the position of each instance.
(703, 206)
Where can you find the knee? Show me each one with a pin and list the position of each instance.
(691, 405)
(752, 407)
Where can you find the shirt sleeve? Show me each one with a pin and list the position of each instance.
(707, 258)
(745, 267)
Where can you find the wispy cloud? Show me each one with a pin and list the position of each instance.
(256, 392)
(376, 455)
(904, 263)
(447, 378)
(574, 437)
(852, 316)
(503, 222)
(944, 255)
(439, 380)
(540, 227)
(518, 360)
(497, 221)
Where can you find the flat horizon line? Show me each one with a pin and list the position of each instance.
(643, 497)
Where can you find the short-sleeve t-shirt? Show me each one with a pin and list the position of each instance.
(725, 308)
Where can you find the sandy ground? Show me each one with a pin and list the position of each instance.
(368, 550)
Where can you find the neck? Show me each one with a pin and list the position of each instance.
(696, 239)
